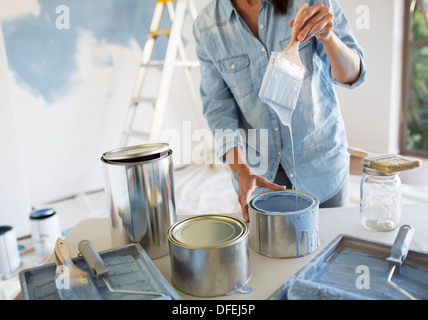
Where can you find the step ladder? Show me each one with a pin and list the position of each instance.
(175, 56)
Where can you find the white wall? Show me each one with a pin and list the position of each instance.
(52, 150)
(372, 111)
(14, 200)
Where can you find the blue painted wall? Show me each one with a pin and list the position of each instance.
(41, 55)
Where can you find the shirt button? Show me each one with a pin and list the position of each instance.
(263, 50)
(291, 175)
(232, 66)
(276, 129)
(262, 26)
(279, 153)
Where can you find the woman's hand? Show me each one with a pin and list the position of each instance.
(248, 182)
(316, 20)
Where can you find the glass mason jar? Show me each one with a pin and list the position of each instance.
(380, 200)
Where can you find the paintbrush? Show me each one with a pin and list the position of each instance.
(71, 282)
(283, 77)
(385, 163)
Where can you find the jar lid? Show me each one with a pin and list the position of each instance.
(369, 170)
(40, 214)
(137, 153)
(4, 229)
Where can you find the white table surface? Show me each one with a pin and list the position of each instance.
(268, 274)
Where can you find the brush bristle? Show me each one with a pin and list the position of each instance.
(395, 164)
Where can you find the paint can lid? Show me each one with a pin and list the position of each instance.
(143, 152)
(5, 229)
(208, 231)
(40, 214)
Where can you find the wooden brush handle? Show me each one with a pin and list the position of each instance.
(62, 252)
(360, 153)
(63, 256)
(295, 31)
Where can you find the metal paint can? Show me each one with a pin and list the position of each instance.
(284, 224)
(209, 255)
(45, 230)
(9, 253)
(139, 187)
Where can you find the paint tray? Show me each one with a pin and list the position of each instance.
(129, 267)
(351, 268)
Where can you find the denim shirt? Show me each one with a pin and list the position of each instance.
(232, 64)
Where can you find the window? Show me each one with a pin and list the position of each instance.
(415, 78)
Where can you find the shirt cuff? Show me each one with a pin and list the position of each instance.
(226, 140)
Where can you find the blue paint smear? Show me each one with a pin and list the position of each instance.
(336, 277)
(42, 56)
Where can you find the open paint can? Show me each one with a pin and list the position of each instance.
(284, 224)
(10, 260)
(209, 255)
(45, 230)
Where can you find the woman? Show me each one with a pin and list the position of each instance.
(234, 41)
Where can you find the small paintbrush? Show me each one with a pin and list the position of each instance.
(71, 282)
(283, 77)
(385, 163)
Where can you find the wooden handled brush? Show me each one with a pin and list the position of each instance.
(292, 50)
(283, 78)
(295, 31)
(71, 282)
(385, 163)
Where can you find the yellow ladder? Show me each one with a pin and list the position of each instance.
(175, 46)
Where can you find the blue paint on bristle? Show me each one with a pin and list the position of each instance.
(280, 87)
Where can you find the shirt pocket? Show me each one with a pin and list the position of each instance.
(236, 73)
(305, 53)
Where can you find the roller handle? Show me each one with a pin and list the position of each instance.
(401, 245)
(92, 258)
(295, 31)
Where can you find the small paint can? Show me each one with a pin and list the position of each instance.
(45, 230)
(284, 224)
(9, 253)
(209, 255)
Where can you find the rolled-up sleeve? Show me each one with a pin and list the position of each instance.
(219, 106)
(343, 30)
